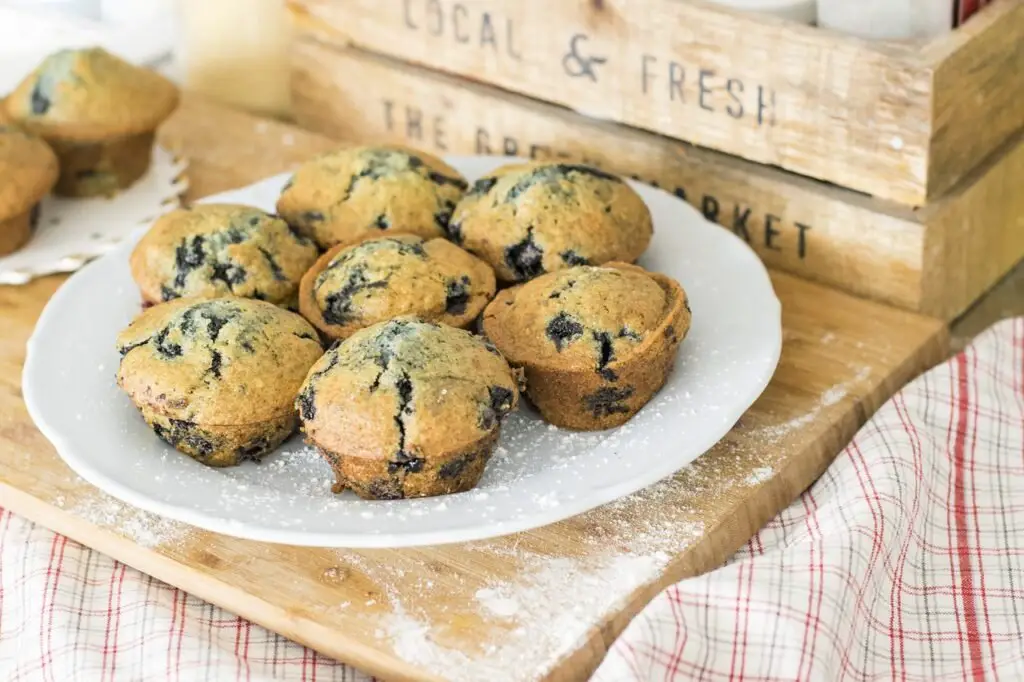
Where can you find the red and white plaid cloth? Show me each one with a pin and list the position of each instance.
(905, 561)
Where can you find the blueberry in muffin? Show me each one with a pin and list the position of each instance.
(352, 287)
(348, 194)
(217, 378)
(28, 171)
(531, 218)
(99, 114)
(213, 250)
(407, 408)
(596, 343)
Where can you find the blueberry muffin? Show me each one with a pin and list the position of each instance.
(98, 113)
(407, 408)
(213, 250)
(596, 343)
(28, 171)
(217, 378)
(530, 218)
(352, 287)
(346, 195)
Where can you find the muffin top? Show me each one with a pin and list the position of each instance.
(584, 318)
(89, 94)
(530, 218)
(28, 170)
(352, 287)
(405, 390)
(219, 250)
(220, 362)
(345, 195)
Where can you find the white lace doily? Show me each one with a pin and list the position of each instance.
(71, 232)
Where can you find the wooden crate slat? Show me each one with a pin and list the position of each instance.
(865, 115)
(975, 234)
(978, 91)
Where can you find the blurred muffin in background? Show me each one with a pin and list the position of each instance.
(99, 114)
(28, 171)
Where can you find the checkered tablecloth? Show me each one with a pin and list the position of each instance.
(905, 561)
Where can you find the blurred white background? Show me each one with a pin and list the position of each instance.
(232, 50)
(144, 32)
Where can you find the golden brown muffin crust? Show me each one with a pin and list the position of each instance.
(345, 195)
(406, 386)
(214, 250)
(531, 218)
(414, 395)
(584, 317)
(28, 170)
(352, 287)
(596, 342)
(90, 95)
(225, 361)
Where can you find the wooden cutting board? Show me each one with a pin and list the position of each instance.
(544, 604)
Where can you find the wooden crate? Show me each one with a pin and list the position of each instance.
(902, 121)
(936, 260)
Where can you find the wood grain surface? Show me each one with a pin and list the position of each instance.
(977, 91)
(430, 613)
(893, 120)
(937, 260)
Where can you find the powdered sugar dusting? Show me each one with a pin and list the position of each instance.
(758, 476)
(781, 430)
(142, 527)
(410, 638)
(833, 395)
(495, 602)
(299, 470)
(558, 593)
(565, 596)
(549, 605)
(829, 398)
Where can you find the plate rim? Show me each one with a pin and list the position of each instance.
(339, 539)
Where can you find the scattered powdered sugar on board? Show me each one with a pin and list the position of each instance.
(495, 602)
(758, 476)
(411, 641)
(833, 395)
(828, 398)
(142, 527)
(555, 602)
(781, 430)
(551, 604)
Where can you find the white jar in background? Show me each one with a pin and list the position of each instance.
(887, 19)
(236, 51)
(88, 9)
(135, 12)
(802, 11)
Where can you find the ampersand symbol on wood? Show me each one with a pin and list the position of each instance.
(577, 65)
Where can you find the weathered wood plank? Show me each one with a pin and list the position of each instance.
(888, 119)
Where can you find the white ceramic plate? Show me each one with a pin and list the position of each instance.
(538, 475)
